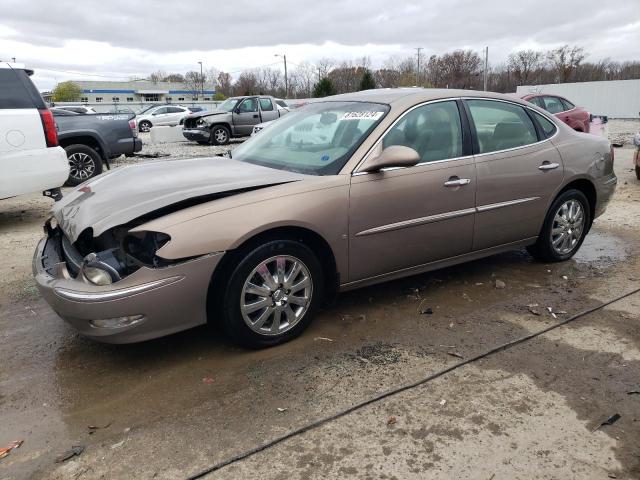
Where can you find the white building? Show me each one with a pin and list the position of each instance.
(614, 98)
(136, 92)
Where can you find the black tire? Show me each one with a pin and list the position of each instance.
(144, 126)
(637, 172)
(84, 163)
(543, 249)
(220, 135)
(230, 311)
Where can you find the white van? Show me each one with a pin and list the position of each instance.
(30, 158)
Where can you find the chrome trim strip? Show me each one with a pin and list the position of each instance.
(494, 206)
(115, 294)
(416, 221)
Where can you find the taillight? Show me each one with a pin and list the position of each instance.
(49, 126)
(134, 127)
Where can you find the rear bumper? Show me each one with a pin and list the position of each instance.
(606, 189)
(196, 134)
(168, 299)
(137, 145)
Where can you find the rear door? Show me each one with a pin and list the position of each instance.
(518, 171)
(175, 114)
(160, 116)
(406, 217)
(245, 116)
(268, 110)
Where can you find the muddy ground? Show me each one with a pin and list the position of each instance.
(172, 407)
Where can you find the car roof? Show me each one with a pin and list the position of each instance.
(398, 96)
(16, 66)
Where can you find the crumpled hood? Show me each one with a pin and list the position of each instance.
(124, 194)
(207, 113)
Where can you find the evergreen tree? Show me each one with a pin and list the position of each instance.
(324, 88)
(367, 82)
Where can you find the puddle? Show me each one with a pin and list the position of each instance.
(602, 249)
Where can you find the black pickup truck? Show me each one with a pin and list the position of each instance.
(91, 140)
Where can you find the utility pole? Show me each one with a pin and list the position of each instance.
(201, 81)
(418, 49)
(286, 78)
(13, 59)
(486, 66)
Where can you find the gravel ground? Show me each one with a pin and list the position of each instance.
(621, 132)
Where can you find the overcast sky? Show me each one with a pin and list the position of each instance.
(123, 38)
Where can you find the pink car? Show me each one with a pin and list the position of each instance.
(576, 117)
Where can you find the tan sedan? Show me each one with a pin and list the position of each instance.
(346, 192)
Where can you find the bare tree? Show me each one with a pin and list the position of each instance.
(246, 84)
(158, 76)
(193, 81)
(565, 60)
(225, 84)
(174, 77)
(523, 64)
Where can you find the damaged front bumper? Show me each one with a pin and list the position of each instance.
(197, 134)
(149, 303)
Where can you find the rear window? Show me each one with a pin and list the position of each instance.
(18, 91)
(548, 128)
(567, 104)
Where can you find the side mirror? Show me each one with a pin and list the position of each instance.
(393, 156)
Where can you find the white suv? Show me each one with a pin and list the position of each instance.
(30, 158)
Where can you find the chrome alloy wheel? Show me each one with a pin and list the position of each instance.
(567, 228)
(276, 295)
(81, 166)
(220, 135)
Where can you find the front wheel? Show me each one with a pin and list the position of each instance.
(84, 163)
(220, 135)
(564, 228)
(272, 294)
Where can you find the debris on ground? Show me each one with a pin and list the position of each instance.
(551, 312)
(118, 445)
(633, 392)
(443, 402)
(500, 284)
(427, 311)
(392, 420)
(280, 409)
(324, 339)
(207, 380)
(151, 155)
(75, 451)
(6, 450)
(533, 308)
(454, 354)
(93, 428)
(609, 421)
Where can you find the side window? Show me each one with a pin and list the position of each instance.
(567, 104)
(249, 105)
(175, 110)
(554, 105)
(538, 102)
(548, 127)
(501, 125)
(266, 105)
(433, 130)
(161, 111)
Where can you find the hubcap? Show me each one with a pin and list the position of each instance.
(567, 228)
(276, 295)
(144, 126)
(81, 166)
(220, 135)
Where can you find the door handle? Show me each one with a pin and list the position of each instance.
(457, 182)
(548, 166)
(256, 116)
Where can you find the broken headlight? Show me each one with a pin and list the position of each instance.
(141, 247)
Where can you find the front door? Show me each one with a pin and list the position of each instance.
(518, 170)
(160, 116)
(245, 116)
(407, 217)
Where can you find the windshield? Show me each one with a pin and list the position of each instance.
(228, 105)
(315, 140)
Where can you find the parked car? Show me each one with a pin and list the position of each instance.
(163, 115)
(347, 192)
(30, 158)
(235, 117)
(576, 117)
(82, 109)
(91, 140)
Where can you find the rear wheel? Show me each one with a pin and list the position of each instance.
(638, 172)
(564, 228)
(145, 126)
(220, 135)
(272, 294)
(84, 163)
